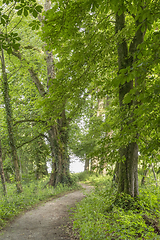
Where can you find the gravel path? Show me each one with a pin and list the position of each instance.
(46, 222)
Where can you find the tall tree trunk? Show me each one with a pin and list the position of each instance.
(115, 178)
(128, 168)
(59, 140)
(2, 172)
(86, 165)
(58, 133)
(58, 136)
(9, 120)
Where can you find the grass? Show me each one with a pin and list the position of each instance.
(34, 192)
(89, 177)
(128, 219)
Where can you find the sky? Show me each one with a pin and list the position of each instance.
(76, 165)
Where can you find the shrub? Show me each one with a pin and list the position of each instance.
(129, 218)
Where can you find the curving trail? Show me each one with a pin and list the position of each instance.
(46, 222)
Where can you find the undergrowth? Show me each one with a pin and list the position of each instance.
(89, 177)
(129, 218)
(33, 193)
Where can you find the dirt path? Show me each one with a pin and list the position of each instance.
(46, 222)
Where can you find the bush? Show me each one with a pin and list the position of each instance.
(129, 218)
(84, 176)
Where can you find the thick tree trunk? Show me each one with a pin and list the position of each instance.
(128, 168)
(2, 172)
(9, 120)
(58, 133)
(60, 165)
(57, 137)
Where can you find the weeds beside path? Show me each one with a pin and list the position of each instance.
(46, 222)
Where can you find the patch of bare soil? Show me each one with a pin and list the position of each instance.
(47, 222)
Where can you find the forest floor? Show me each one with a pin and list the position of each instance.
(49, 221)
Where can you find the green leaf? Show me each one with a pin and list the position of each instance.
(3, 22)
(9, 50)
(35, 14)
(18, 7)
(127, 98)
(6, 1)
(25, 12)
(15, 34)
(16, 46)
(19, 12)
(18, 38)
(120, 11)
(39, 8)
(5, 16)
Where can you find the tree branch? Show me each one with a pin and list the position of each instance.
(28, 120)
(31, 47)
(33, 75)
(31, 140)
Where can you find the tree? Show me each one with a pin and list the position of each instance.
(2, 172)
(56, 126)
(128, 58)
(9, 41)
(91, 43)
(9, 120)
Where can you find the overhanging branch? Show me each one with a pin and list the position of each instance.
(31, 140)
(29, 120)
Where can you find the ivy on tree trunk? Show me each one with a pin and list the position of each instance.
(2, 172)
(128, 167)
(9, 121)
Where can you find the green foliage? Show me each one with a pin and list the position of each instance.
(9, 39)
(129, 218)
(85, 44)
(33, 193)
(87, 176)
(24, 8)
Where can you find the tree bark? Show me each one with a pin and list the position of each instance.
(60, 164)
(128, 170)
(128, 167)
(145, 174)
(86, 166)
(9, 120)
(154, 174)
(115, 178)
(58, 135)
(2, 172)
(58, 132)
